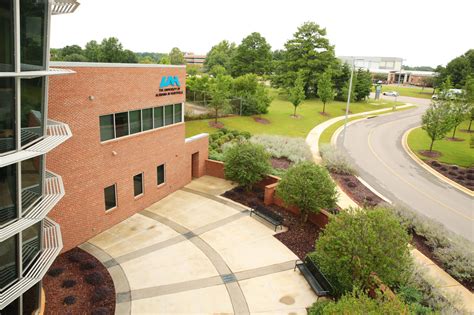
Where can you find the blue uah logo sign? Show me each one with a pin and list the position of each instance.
(169, 86)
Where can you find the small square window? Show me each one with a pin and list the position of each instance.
(178, 113)
(106, 127)
(160, 174)
(110, 196)
(168, 115)
(158, 117)
(138, 184)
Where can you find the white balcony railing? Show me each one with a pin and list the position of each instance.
(53, 192)
(57, 133)
(64, 6)
(52, 245)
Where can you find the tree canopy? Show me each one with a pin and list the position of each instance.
(176, 56)
(220, 54)
(436, 121)
(325, 89)
(253, 55)
(457, 69)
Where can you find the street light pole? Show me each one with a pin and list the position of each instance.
(348, 101)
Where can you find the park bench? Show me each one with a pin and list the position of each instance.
(313, 275)
(271, 217)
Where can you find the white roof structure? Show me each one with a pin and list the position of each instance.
(64, 6)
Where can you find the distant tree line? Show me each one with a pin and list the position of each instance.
(457, 70)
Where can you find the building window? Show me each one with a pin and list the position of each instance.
(8, 267)
(107, 127)
(178, 112)
(147, 115)
(31, 299)
(8, 189)
(31, 110)
(158, 115)
(6, 36)
(121, 125)
(31, 244)
(138, 184)
(168, 115)
(33, 15)
(7, 114)
(160, 174)
(110, 195)
(31, 183)
(135, 121)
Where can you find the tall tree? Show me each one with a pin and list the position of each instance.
(458, 69)
(253, 95)
(220, 89)
(308, 50)
(220, 54)
(111, 50)
(469, 96)
(436, 121)
(176, 57)
(363, 85)
(458, 112)
(341, 77)
(325, 90)
(296, 93)
(92, 51)
(253, 55)
(165, 60)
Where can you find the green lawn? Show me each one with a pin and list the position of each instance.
(458, 153)
(409, 91)
(281, 122)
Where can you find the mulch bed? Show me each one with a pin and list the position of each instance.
(362, 195)
(467, 131)
(66, 283)
(217, 125)
(282, 163)
(261, 120)
(454, 139)
(430, 154)
(461, 175)
(324, 114)
(299, 238)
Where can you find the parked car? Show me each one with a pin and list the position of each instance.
(391, 93)
(450, 95)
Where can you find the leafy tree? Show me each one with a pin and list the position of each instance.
(254, 96)
(309, 50)
(436, 121)
(246, 164)
(458, 112)
(296, 93)
(110, 50)
(220, 54)
(176, 57)
(253, 55)
(71, 50)
(217, 70)
(146, 60)
(358, 242)
(469, 97)
(92, 51)
(129, 56)
(358, 302)
(192, 70)
(219, 90)
(75, 58)
(362, 85)
(325, 90)
(458, 69)
(308, 187)
(341, 78)
(165, 60)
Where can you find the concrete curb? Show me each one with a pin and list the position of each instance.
(430, 169)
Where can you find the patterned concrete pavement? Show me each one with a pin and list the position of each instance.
(196, 252)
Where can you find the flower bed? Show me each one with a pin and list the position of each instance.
(77, 283)
(462, 176)
(358, 192)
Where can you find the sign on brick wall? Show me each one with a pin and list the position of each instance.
(169, 85)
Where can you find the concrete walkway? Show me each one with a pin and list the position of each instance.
(196, 252)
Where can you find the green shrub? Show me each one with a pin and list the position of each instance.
(294, 149)
(246, 164)
(454, 252)
(358, 242)
(223, 137)
(335, 161)
(308, 187)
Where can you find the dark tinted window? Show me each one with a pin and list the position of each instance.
(8, 268)
(158, 114)
(31, 110)
(147, 119)
(106, 127)
(31, 182)
(7, 114)
(110, 197)
(31, 244)
(135, 121)
(31, 300)
(121, 124)
(8, 209)
(32, 30)
(138, 184)
(168, 115)
(6, 36)
(160, 174)
(177, 113)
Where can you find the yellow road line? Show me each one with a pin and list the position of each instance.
(407, 182)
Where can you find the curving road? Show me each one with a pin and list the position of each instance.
(374, 146)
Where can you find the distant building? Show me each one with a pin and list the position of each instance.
(390, 66)
(193, 59)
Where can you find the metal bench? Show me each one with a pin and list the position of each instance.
(313, 275)
(271, 217)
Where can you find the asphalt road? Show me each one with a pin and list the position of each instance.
(374, 146)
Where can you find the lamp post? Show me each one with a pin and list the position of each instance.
(348, 100)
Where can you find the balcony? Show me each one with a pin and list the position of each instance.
(52, 245)
(53, 192)
(36, 73)
(64, 6)
(57, 133)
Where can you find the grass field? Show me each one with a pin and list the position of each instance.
(458, 153)
(281, 121)
(409, 91)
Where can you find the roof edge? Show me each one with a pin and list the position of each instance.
(71, 64)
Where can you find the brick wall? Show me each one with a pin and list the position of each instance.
(215, 168)
(87, 166)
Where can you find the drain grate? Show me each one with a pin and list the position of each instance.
(229, 278)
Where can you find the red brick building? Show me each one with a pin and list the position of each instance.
(128, 148)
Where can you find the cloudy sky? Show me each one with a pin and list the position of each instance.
(423, 32)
